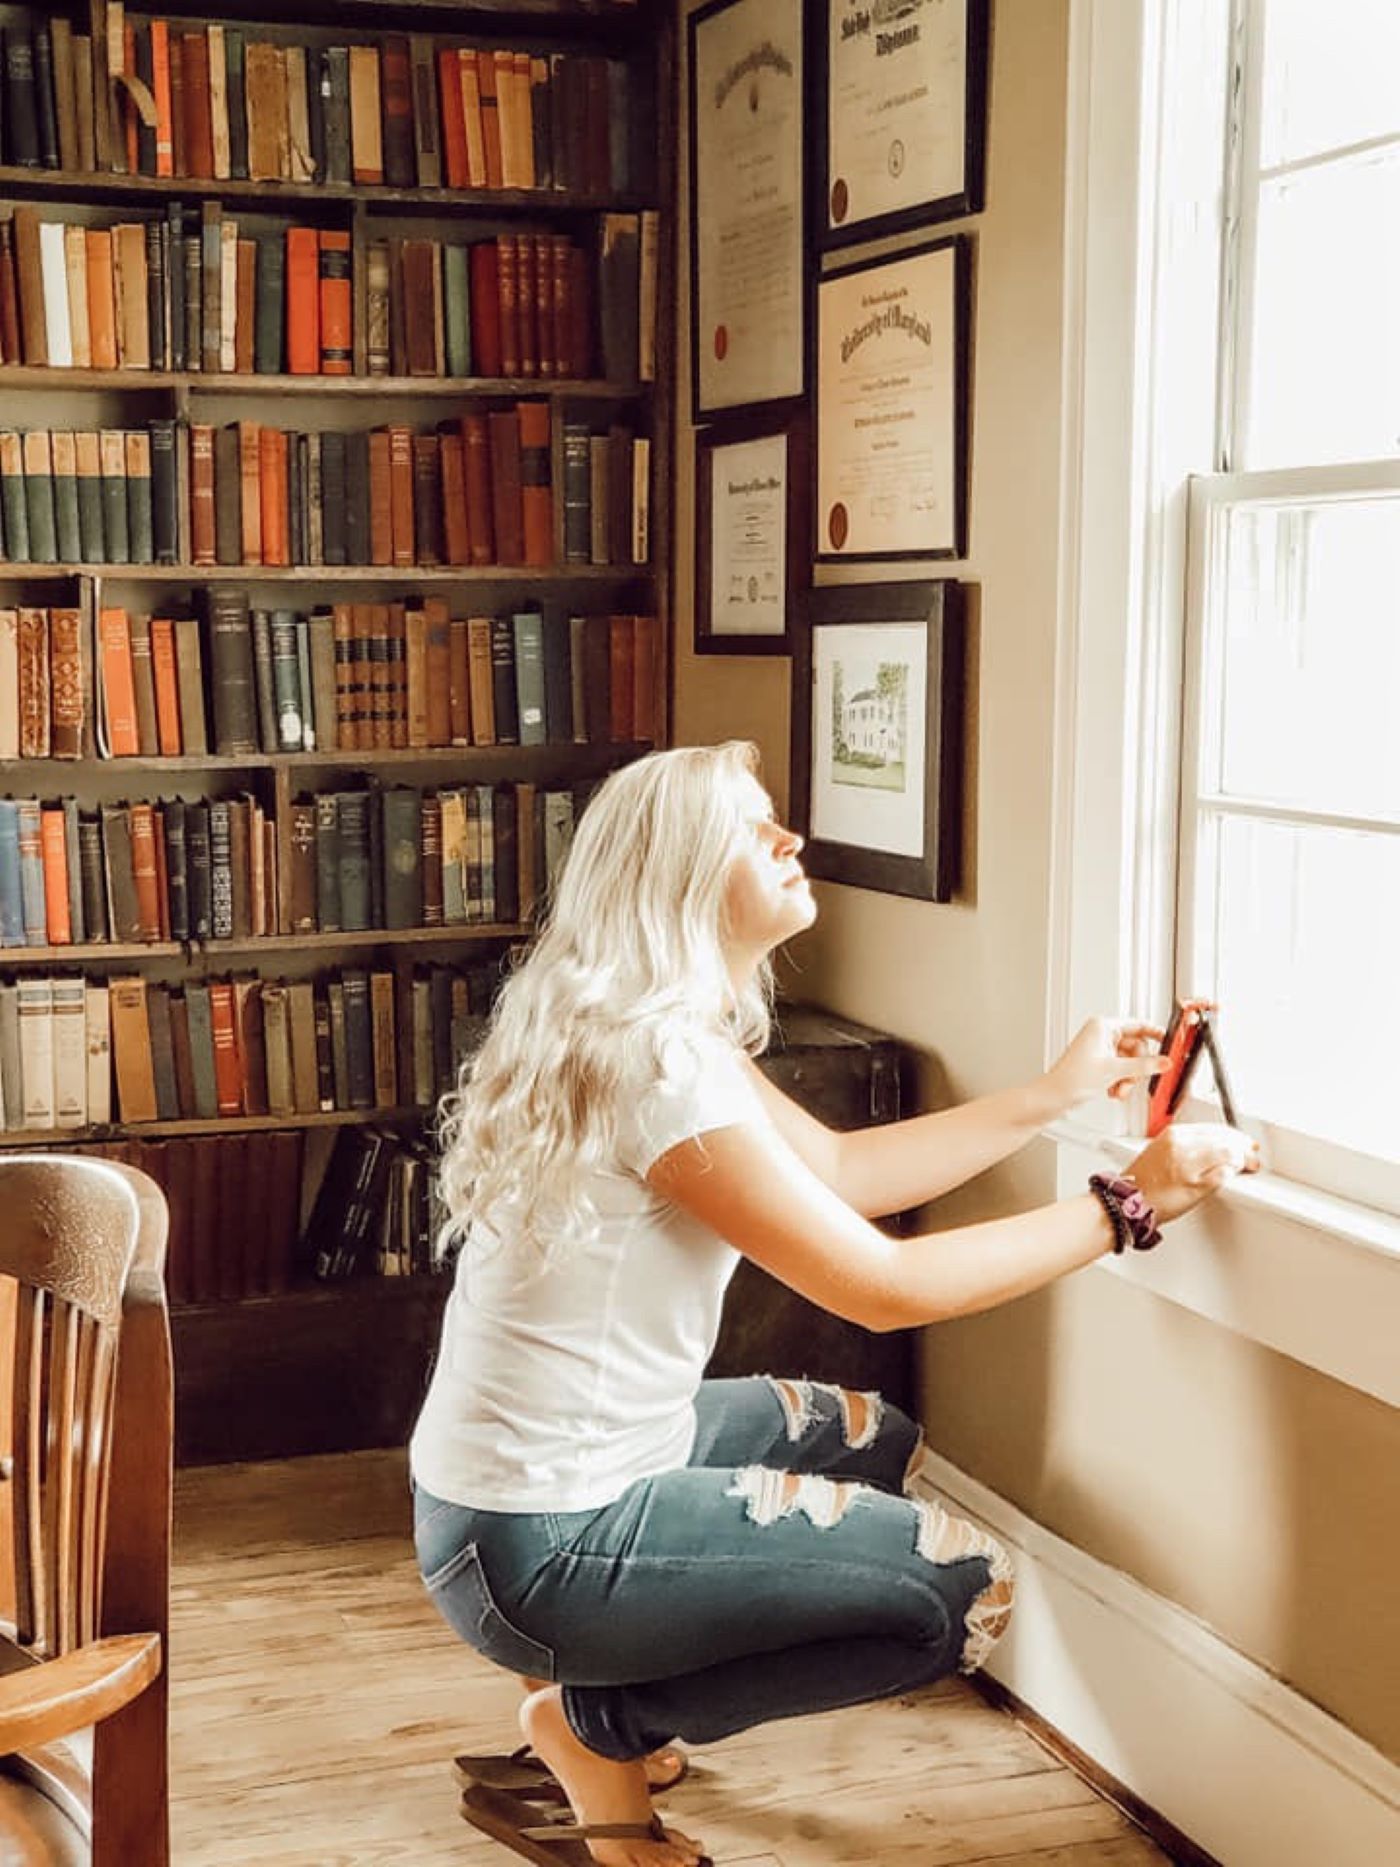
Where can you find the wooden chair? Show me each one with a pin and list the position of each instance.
(85, 1499)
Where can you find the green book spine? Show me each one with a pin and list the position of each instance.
(270, 312)
(529, 676)
(403, 869)
(89, 493)
(13, 507)
(456, 292)
(352, 811)
(262, 679)
(328, 865)
(286, 680)
(116, 537)
(304, 689)
(38, 500)
(206, 1095)
(65, 499)
(140, 523)
(234, 68)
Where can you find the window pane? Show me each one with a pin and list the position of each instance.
(1300, 947)
(1325, 309)
(1309, 634)
(1330, 75)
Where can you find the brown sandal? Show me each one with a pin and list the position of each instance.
(522, 1773)
(513, 1821)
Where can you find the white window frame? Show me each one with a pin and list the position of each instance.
(1315, 1277)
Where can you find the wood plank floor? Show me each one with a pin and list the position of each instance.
(317, 1699)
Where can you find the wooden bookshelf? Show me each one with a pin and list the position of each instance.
(343, 1363)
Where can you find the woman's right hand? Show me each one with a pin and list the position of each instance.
(1187, 1162)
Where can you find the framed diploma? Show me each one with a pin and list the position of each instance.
(877, 737)
(747, 225)
(751, 487)
(902, 96)
(891, 397)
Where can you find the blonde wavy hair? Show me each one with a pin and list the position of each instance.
(627, 970)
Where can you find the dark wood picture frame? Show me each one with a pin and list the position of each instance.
(935, 872)
(700, 411)
(969, 199)
(961, 246)
(730, 431)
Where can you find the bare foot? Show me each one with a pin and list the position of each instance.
(664, 1767)
(600, 1790)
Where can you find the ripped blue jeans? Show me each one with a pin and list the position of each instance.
(782, 1571)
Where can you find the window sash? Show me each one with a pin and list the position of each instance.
(1213, 499)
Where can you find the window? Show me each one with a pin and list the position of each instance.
(1289, 884)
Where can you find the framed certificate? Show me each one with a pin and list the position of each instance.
(891, 398)
(747, 224)
(877, 737)
(751, 488)
(902, 99)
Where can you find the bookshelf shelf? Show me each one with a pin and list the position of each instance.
(358, 574)
(222, 1124)
(244, 383)
(226, 270)
(489, 203)
(89, 951)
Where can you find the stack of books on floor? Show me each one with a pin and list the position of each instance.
(378, 1209)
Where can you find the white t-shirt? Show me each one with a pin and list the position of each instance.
(556, 1386)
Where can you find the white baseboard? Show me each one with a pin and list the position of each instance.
(1244, 1766)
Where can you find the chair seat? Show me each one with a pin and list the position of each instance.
(35, 1832)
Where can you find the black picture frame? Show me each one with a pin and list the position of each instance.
(967, 198)
(936, 608)
(792, 392)
(824, 425)
(735, 431)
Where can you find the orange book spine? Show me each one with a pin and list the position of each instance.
(245, 306)
(346, 697)
(160, 70)
(167, 687)
(250, 489)
(303, 302)
(53, 849)
(454, 128)
(336, 313)
(272, 483)
(102, 299)
(118, 684)
(202, 531)
(456, 533)
(401, 495)
(228, 1077)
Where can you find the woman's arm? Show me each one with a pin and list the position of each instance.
(747, 1184)
(903, 1164)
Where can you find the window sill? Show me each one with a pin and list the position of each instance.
(1307, 1274)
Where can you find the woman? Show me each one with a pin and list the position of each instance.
(660, 1558)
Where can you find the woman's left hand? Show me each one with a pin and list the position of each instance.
(1109, 1055)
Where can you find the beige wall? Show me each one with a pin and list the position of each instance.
(1257, 1494)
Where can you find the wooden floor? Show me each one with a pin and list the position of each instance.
(318, 1698)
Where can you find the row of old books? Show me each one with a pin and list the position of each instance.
(201, 869)
(211, 295)
(475, 491)
(356, 677)
(403, 111)
(76, 1053)
(99, 497)
(143, 295)
(41, 683)
(378, 1210)
(174, 869)
(234, 1203)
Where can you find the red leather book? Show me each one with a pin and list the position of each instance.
(228, 1078)
(381, 515)
(476, 449)
(490, 118)
(456, 526)
(202, 530)
(143, 869)
(401, 494)
(508, 298)
(506, 514)
(160, 67)
(303, 302)
(454, 126)
(396, 98)
(335, 307)
(272, 496)
(199, 120)
(167, 687)
(347, 698)
(542, 264)
(486, 308)
(536, 492)
(246, 306)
